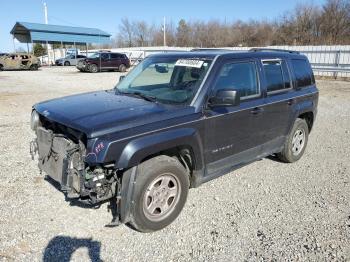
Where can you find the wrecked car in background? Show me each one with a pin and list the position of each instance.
(17, 61)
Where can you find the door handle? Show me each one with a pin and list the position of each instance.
(291, 102)
(257, 110)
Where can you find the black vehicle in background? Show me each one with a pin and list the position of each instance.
(104, 61)
(176, 121)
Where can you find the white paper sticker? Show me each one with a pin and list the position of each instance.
(189, 63)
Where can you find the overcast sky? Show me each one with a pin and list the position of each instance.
(106, 14)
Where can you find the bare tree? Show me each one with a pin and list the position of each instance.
(183, 33)
(126, 32)
(142, 33)
(336, 21)
(306, 24)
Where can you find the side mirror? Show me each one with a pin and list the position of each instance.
(121, 78)
(225, 98)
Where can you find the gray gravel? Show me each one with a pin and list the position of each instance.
(265, 211)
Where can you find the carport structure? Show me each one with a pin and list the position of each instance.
(26, 32)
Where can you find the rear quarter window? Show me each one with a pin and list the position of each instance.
(303, 73)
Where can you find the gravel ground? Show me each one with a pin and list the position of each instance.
(265, 211)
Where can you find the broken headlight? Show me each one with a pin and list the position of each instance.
(34, 120)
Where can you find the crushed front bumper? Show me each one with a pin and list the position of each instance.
(82, 65)
(62, 160)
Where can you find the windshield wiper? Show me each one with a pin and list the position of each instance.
(146, 97)
(139, 94)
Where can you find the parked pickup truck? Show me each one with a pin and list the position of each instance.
(175, 122)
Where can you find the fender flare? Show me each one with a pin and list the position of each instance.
(304, 107)
(140, 148)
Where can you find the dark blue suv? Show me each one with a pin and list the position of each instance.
(175, 121)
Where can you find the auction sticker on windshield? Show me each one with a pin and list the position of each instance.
(189, 63)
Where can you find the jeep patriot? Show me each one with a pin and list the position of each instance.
(175, 121)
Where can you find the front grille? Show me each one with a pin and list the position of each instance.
(54, 152)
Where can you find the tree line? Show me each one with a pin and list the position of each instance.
(306, 24)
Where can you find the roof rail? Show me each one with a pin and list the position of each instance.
(273, 50)
(210, 49)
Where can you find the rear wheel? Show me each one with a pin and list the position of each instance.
(296, 142)
(34, 67)
(160, 193)
(122, 68)
(93, 68)
(1, 67)
(67, 63)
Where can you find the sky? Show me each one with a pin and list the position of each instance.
(106, 14)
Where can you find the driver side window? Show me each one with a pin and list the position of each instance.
(240, 76)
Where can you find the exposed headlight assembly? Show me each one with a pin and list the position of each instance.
(34, 120)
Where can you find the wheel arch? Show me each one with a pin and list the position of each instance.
(308, 116)
(172, 143)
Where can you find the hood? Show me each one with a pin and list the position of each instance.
(94, 112)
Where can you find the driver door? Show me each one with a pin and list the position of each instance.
(230, 130)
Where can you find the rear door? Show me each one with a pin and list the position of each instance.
(230, 131)
(12, 62)
(115, 60)
(279, 104)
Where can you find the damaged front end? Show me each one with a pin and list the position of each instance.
(61, 152)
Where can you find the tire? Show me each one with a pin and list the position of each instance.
(1, 67)
(295, 143)
(34, 67)
(66, 63)
(122, 68)
(161, 182)
(93, 68)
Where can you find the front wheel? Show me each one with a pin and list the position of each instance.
(161, 190)
(93, 68)
(67, 63)
(296, 142)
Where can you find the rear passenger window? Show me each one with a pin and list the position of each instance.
(105, 56)
(303, 73)
(241, 77)
(277, 75)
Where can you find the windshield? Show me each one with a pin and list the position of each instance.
(94, 55)
(167, 80)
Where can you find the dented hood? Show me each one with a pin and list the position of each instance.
(94, 112)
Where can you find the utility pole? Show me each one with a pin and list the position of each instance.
(47, 22)
(45, 13)
(164, 32)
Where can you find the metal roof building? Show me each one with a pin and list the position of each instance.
(44, 33)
